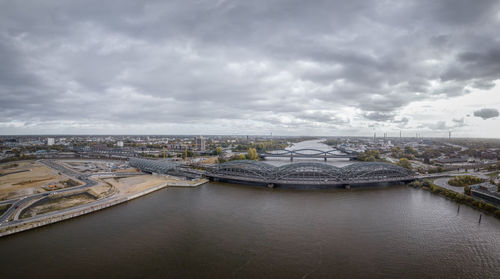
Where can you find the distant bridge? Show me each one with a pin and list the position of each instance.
(306, 153)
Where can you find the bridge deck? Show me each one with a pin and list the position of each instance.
(309, 181)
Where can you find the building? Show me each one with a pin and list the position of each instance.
(119, 143)
(50, 141)
(200, 143)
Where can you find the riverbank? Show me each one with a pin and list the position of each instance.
(42, 220)
(457, 197)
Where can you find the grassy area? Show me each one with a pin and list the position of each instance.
(4, 208)
(465, 180)
(58, 203)
(458, 197)
(494, 174)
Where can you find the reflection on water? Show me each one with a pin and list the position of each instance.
(223, 230)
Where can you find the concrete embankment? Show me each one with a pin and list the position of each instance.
(38, 221)
(188, 183)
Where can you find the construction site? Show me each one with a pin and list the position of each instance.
(35, 193)
(30, 177)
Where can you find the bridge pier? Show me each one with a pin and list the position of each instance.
(270, 185)
(291, 158)
(325, 158)
(347, 186)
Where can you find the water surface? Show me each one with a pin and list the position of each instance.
(223, 230)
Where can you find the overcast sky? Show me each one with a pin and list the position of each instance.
(250, 67)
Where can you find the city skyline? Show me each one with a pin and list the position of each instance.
(236, 67)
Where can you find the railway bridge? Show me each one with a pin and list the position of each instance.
(306, 153)
(301, 175)
(308, 174)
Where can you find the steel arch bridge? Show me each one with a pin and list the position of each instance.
(316, 173)
(305, 153)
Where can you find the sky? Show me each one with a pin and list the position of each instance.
(321, 68)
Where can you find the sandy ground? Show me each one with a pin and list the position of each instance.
(135, 184)
(58, 204)
(129, 170)
(102, 190)
(210, 160)
(26, 183)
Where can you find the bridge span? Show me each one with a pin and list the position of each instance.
(306, 153)
(299, 175)
(308, 175)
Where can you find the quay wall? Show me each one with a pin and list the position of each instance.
(41, 220)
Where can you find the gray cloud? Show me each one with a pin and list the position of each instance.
(206, 62)
(486, 113)
(378, 116)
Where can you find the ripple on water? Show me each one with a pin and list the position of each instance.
(222, 230)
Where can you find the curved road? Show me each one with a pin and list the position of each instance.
(18, 204)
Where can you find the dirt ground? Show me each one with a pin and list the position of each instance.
(210, 160)
(58, 204)
(135, 184)
(102, 190)
(28, 182)
(127, 170)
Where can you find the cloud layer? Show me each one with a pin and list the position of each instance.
(239, 66)
(486, 113)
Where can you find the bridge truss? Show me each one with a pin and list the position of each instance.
(306, 153)
(153, 166)
(310, 172)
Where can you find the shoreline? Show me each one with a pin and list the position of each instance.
(480, 205)
(39, 221)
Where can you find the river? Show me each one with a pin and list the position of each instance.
(235, 231)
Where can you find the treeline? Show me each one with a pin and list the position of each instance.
(370, 156)
(408, 152)
(251, 155)
(465, 180)
(261, 146)
(332, 142)
(19, 158)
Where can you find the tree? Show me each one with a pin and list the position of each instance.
(218, 150)
(395, 152)
(241, 157)
(411, 150)
(467, 189)
(405, 163)
(252, 154)
(369, 155)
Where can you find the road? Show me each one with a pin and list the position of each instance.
(9, 217)
(443, 182)
(19, 204)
